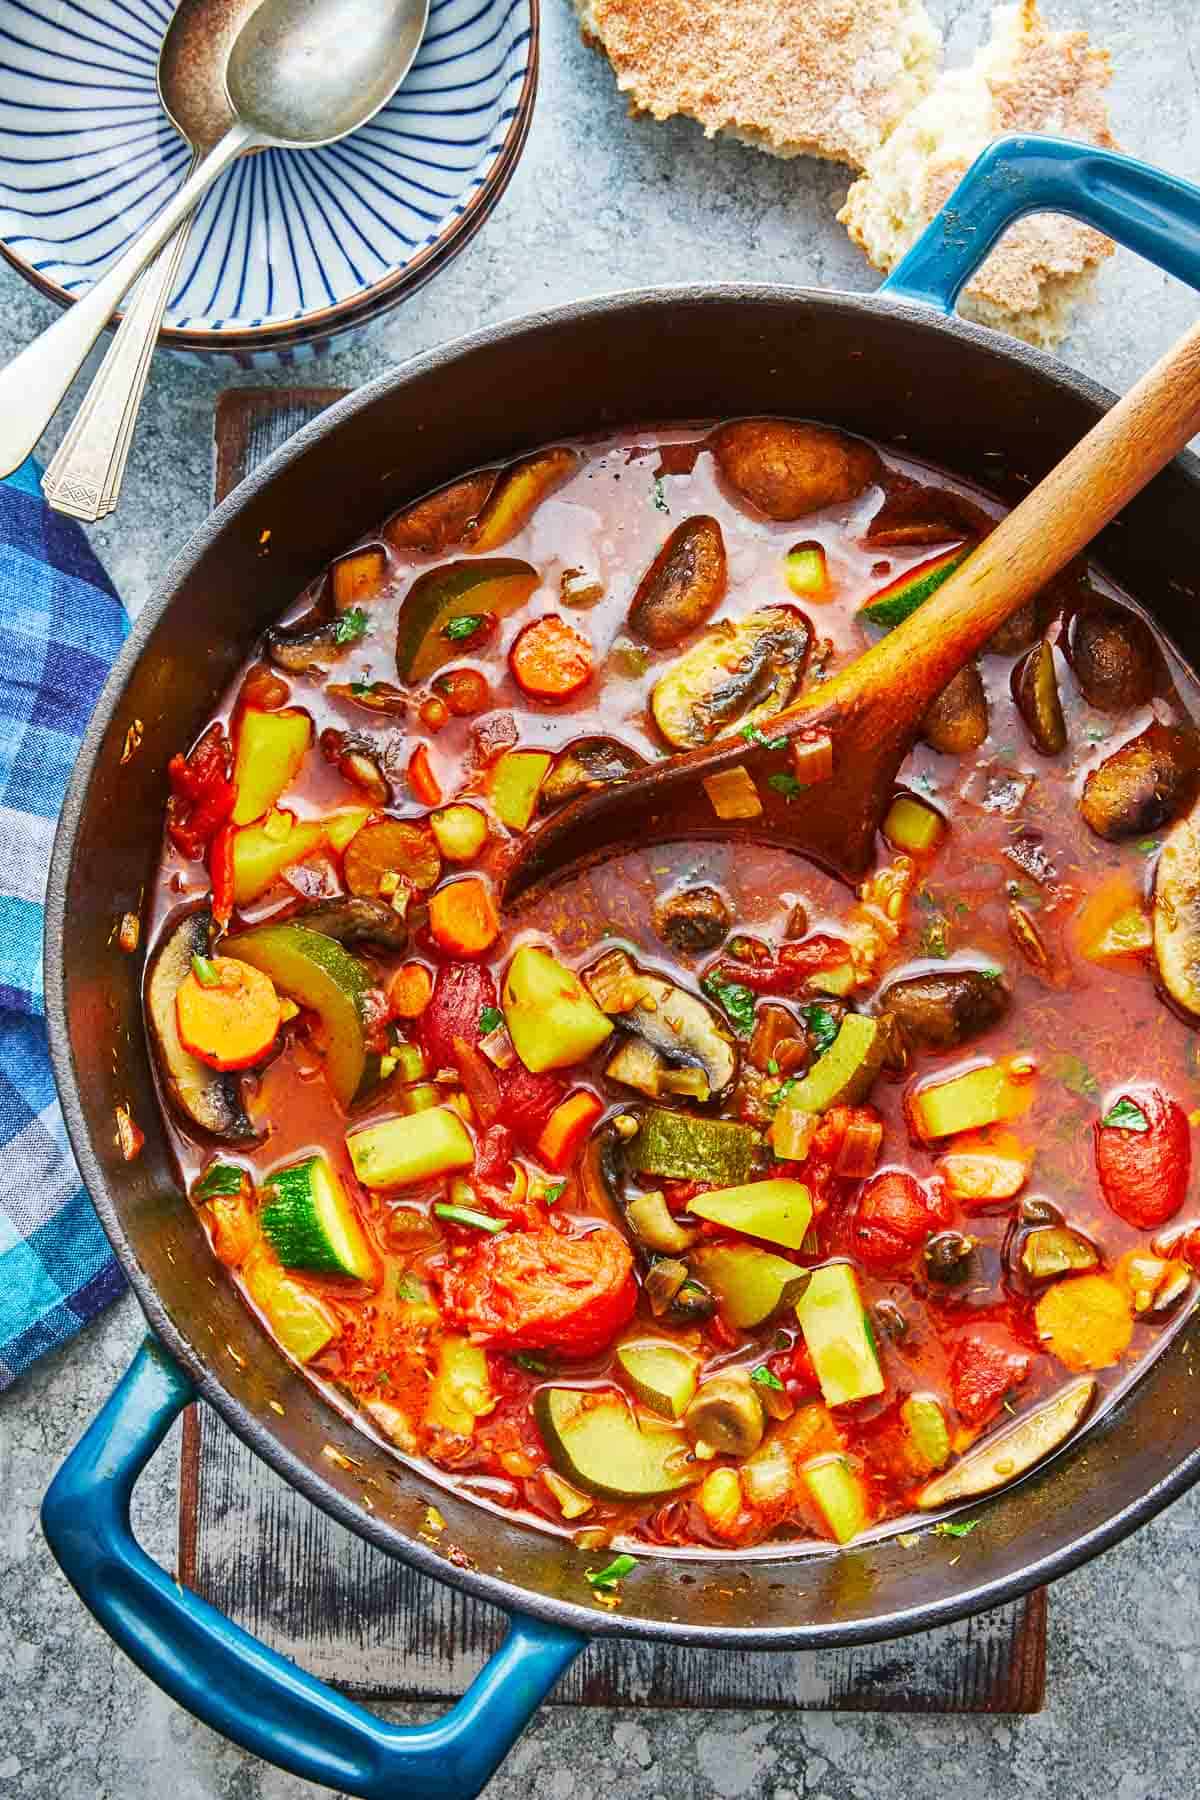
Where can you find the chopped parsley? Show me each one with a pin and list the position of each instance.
(785, 784)
(822, 1027)
(956, 1528)
(606, 1579)
(753, 735)
(205, 972)
(659, 495)
(735, 1000)
(410, 1289)
(766, 1377)
(554, 1192)
(1146, 846)
(490, 1019)
(532, 1365)
(1127, 1116)
(1076, 1077)
(465, 626)
(360, 689)
(351, 626)
(772, 1066)
(221, 1179)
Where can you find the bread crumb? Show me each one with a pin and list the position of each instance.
(826, 78)
(1026, 79)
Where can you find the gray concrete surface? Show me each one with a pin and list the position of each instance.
(600, 202)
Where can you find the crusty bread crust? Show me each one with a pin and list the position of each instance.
(1025, 79)
(827, 78)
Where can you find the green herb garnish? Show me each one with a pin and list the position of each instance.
(766, 1377)
(1076, 1077)
(753, 735)
(606, 1579)
(205, 971)
(360, 689)
(659, 495)
(410, 1289)
(956, 1527)
(785, 784)
(735, 1000)
(465, 626)
(490, 1019)
(351, 626)
(554, 1192)
(532, 1365)
(221, 1179)
(1127, 1117)
(772, 1066)
(1147, 846)
(821, 1025)
(467, 1215)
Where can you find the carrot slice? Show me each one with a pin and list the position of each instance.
(551, 660)
(421, 778)
(227, 1012)
(410, 990)
(566, 1128)
(463, 917)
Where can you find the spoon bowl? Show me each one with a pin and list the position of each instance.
(300, 86)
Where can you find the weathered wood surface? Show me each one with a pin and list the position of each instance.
(371, 1626)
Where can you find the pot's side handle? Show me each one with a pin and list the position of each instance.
(234, 1683)
(1147, 210)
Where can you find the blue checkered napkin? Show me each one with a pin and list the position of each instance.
(61, 625)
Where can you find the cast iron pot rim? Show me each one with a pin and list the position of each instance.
(306, 1478)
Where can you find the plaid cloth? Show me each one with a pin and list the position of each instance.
(61, 625)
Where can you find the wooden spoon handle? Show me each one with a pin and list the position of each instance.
(1121, 453)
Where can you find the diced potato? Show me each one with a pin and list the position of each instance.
(301, 1321)
(514, 783)
(552, 1019)
(841, 1495)
(984, 1167)
(721, 1498)
(984, 1096)
(262, 852)
(270, 748)
(416, 1148)
(461, 831)
(911, 825)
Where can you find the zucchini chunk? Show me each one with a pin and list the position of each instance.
(418, 1147)
(1014, 1451)
(837, 1336)
(683, 1147)
(205, 1099)
(598, 1443)
(310, 1222)
(846, 1073)
(779, 1210)
(317, 972)
(661, 1375)
(752, 1285)
(432, 626)
(299, 1320)
(928, 1433)
(840, 1495)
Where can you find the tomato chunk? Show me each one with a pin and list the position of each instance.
(1144, 1173)
(982, 1370)
(529, 1101)
(461, 992)
(895, 1214)
(202, 792)
(539, 1290)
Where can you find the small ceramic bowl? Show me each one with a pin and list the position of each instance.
(291, 250)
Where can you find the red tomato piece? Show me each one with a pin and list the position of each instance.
(895, 1214)
(202, 793)
(982, 1370)
(220, 872)
(787, 975)
(528, 1102)
(493, 1154)
(794, 1368)
(540, 1290)
(461, 991)
(1144, 1174)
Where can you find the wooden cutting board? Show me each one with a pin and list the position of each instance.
(371, 1626)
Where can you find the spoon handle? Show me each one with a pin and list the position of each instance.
(34, 382)
(84, 476)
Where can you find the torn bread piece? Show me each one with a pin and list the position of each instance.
(827, 78)
(1026, 79)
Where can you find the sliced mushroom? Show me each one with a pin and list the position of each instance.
(207, 1100)
(636, 1065)
(1013, 1452)
(691, 919)
(692, 1304)
(1052, 1250)
(355, 921)
(654, 1226)
(679, 1026)
(751, 668)
(788, 469)
(957, 721)
(665, 1278)
(442, 519)
(939, 1011)
(310, 644)
(947, 1258)
(1148, 781)
(1112, 655)
(591, 763)
(682, 586)
(356, 760)
(1177, 914)
(1035, 690)
(726, 1415)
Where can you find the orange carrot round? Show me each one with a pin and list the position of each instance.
(463, 917)
(227, 1012)
(411, 987)
(551, 660)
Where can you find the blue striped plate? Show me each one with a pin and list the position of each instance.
(290, 249)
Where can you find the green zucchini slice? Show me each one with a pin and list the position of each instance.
(310, 1221)
(599, 1444)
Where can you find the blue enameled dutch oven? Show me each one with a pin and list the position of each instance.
(896, 366)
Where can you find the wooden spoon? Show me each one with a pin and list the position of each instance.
(872, 710)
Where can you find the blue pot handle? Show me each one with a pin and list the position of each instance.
(234, 1683)
(1143, 208)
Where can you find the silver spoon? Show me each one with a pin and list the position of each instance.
(302, 73)
(84, 476)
